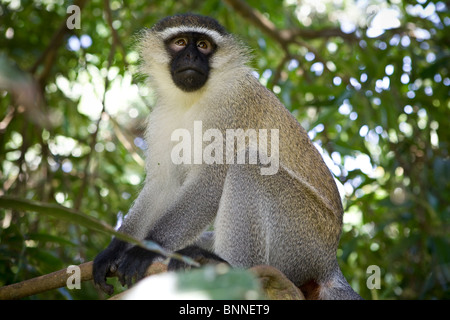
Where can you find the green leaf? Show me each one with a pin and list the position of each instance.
(78, 218)
(210, 282)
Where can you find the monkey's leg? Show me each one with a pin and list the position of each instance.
(240, 234)
(263, 220)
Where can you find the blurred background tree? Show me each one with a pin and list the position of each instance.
(368, 79)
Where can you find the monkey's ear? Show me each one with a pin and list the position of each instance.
(196, 253)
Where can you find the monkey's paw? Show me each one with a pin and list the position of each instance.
(134, 265)
(106, 263)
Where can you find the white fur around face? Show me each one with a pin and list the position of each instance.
(176, 108)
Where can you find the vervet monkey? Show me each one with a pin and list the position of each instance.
(285, 212)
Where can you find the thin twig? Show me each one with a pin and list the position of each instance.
(115, 36)
(277, 74)
(94, 135)
(285, 36)
(49, 55)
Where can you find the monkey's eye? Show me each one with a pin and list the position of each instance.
(180, 42)
(204, 46)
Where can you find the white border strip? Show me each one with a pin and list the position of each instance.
(169, 32)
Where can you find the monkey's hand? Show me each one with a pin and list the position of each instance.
(134, 265)
(106, 264)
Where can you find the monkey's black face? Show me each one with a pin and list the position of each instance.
(190, 54)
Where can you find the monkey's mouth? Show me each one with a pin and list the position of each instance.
(190, 78)
(189, 71)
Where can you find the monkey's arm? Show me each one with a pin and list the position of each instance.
(136, 223)
(193, 210)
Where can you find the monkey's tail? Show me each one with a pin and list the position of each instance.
(336, 287)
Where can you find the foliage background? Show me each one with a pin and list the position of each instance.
(368, 79)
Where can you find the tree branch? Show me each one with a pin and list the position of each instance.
(259, 20)
(49, 55)
(115, 35)
(43, 283)
(58, 279)
(285, 36)
(94, 135)
(275, 285)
